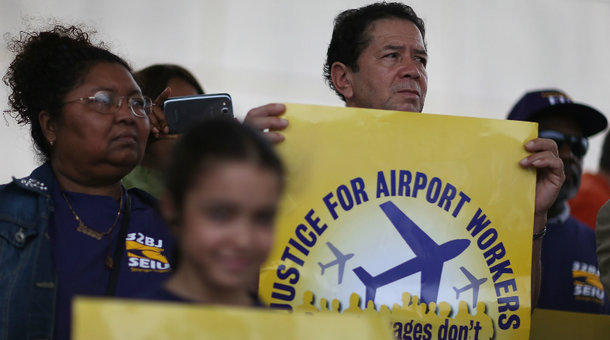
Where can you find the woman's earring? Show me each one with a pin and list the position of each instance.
(51, 142)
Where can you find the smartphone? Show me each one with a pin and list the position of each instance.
(183, 112)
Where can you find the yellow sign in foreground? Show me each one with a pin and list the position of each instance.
(427, 218)
(559, 325)
(97, 318)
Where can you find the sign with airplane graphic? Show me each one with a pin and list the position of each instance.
(424, 218)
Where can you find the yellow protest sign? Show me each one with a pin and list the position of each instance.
(99, 318)
(426, 219)
(557, 325)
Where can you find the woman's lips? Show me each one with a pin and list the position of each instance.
(126, 137)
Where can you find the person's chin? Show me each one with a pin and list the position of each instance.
(230, 281)
(409, 106)
(128, 159)
(568, 190)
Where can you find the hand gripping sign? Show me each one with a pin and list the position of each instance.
(424, 218)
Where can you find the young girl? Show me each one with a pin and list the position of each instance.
(222, 190)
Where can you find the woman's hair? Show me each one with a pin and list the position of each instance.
(48, 65)
(212, 141)
(154, 79)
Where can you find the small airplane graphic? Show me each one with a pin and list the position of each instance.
(339, 260)
(474, 285)
(429, 260)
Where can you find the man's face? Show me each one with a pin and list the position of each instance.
(572, 163)
(391, 69)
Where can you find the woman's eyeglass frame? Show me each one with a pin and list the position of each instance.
(114, 102)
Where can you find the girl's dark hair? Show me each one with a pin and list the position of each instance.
(215, 140)
(48, 65)
(153, 79)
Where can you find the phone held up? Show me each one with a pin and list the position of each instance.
(183, 112)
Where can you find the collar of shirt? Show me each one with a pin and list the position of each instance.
(562, 217)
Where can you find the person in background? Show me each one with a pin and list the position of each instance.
(377, 58)
(71, 228)
(570, 277)
(154, 80)
(220, 202)
(594, 190)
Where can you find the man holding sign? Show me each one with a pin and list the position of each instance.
(377, 59)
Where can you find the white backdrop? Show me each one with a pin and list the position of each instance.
(484, 54)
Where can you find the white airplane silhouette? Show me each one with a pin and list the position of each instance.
(340, 260)
(474, 285)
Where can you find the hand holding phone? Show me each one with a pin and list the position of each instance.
(158, 124)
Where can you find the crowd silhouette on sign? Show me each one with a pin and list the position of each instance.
(463, 322)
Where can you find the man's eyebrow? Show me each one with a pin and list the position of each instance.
(402, 47)
(393, 47)
(420, 51)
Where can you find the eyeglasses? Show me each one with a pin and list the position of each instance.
(109, 102)
(578, 145)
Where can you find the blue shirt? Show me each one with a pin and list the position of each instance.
(81, 260)
(162, 294)
(570, 277)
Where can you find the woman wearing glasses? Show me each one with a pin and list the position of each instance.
(70, 228)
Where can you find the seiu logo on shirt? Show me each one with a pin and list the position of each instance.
(587, 285)
(145, 254)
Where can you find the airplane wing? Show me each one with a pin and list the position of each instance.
(473, 280)
(341, 269)
(430, 282)
(335, 251)
(416, 238)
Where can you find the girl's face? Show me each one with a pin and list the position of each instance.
(227, 223)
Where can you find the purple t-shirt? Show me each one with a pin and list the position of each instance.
(81, 260)
(570, 277)
(162, 294)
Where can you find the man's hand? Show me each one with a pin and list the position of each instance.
(545, 158)
(158, 122)
(265, 118)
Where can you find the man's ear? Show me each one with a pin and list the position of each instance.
(341, 76)
(48, 126)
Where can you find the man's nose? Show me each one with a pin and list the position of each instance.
(566, 154)
(409, 69)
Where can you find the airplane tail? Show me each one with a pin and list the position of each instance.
(369, 283)
(457, 293)
(322, 267)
